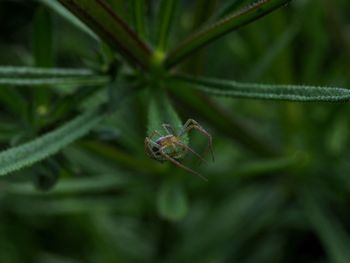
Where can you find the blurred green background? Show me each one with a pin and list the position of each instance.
(278, 191)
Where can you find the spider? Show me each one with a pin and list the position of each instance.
(171, 148)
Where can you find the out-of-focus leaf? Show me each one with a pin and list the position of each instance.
(331, 233)
(91, 184)
(227, 8)
(268, 166)
(68, 206)
(274, 50)
(338, 135)
(139, 17)
(27, 76)
(60, 10)
(165, 14)
(172, 201)
(229, 222)
(125, 236)
(46, 174)
(120, 157)
(301, 93)
(269, 250)
(220, 28)
(13, 100)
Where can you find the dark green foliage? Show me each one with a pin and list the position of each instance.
(82, 83)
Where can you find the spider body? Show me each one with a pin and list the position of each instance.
(170, 147)
(169, 144)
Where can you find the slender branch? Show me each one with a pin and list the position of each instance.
(100, 17)
(221, 28)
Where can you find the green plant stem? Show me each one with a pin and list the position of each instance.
(222, 27)
(99, 16)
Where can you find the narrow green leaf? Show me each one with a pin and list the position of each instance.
(256, 168)
(165, 13)
(14, 71)
(13, 101)
(86, 81)
(99, 16)
(139, 17)
(203, 37)
(40, 148)
(264, 91)
(160, 112)
(331, 233)
(60, 10)
(71, 186)
(172, 201)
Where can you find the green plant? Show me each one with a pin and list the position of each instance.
(151, 69)
(137, 81)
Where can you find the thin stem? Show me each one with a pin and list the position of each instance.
(100, 17)
(221, 28)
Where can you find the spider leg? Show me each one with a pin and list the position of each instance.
(155, 132)
(180, 154)
(192, 124)
(169, 158)
(192, 151)
(148, 143)
(168, 129)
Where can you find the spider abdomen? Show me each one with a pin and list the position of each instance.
(167, 145)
